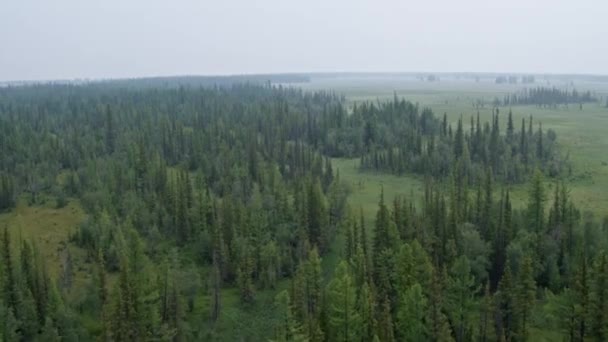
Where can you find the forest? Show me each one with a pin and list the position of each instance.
(204, 199)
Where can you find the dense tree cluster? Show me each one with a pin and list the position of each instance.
(185, 178)
(470, 267)
(513, 79)
(31, 305)
(547, 97)
(430, 147)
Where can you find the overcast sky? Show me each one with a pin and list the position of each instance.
(65, 39)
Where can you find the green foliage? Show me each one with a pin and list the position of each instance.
(342, 315)
(203, 203)
(7, 192)
(525, 295)
(461, 291)
(288, 328)
(411, 325)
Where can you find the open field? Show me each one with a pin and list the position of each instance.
(46, 226)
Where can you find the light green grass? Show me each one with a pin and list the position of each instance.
(46, 226)
(366, 186)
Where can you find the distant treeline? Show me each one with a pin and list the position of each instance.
(514, 79)
(210, 81)
(547, 97)
(169, 81)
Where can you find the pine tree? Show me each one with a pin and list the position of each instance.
(287, 329)
(385, 321)
(365, 244)
(49, 332)
(10, 293)
(493, 145)
(439, 328)
(102, 293)
(411, 325)
(365, 306)
(110, 133)
(599, 298)
(343, 318)
(216, 282)
(486, 316)
(503, 237)
(459, 140)
(536, 210)
(506, 305)
(245, 270)
(460, 297)
(124, 324)
(581, 297)
(382, 239)
(526, 295)
(523, 144)
(317, 216)
(308, 295)
(269, 265)
(405, 275)
(510, 127)
(487, 217)
(540, 149)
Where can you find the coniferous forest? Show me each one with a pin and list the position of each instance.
(204, 199)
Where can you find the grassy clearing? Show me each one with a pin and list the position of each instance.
(366, 186)
(238, 321)
(582, 134)
(49, 228)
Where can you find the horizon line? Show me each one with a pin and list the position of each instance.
(305, 73)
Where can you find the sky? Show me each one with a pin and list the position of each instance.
(91, 39)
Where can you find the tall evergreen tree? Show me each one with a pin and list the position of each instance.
(343, 317)
(526, 295)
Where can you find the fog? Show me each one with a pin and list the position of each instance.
(66, 39)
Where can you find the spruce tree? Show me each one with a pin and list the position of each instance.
(385, 321)
(287, 329)
(343, 318)
(536, 210)
(581, 288)
(366, 307)
(599, 298)
(411, 325)
(460, 298)
(526, 295)
(439, 328)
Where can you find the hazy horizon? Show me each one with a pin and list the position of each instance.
(69, 39)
